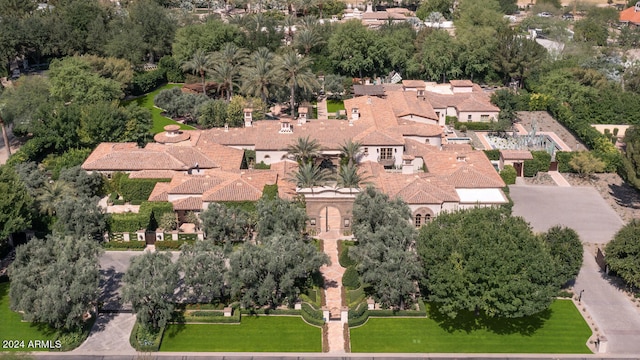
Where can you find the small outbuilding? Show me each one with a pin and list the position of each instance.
(515, 158)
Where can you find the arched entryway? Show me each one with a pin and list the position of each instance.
(329, 219)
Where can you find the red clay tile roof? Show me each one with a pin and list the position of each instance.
(415, 129)
(233, 190)
(461, 83)
(152, 174)
(407, 103)
(160, 192)
(420, 84)
(193, 203)
(516, 155)
(630, 15)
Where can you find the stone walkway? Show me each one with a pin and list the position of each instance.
(333, 291)
(322, 109)
(559, 179)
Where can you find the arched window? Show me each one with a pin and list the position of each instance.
(418, 220)
(427, 218)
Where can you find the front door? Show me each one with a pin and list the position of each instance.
(150, 237)
(329, 219)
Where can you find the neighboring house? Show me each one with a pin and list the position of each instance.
(404, 153)
(631, 16)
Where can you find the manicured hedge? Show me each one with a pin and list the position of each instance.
(493, 154)
(541, 161)
(563, 158)
(350, 278)
(311, 315)
(127, 222)
(508, 174)
(171, 244)
(134, 245)
(270, 191)
(212, 317)
(137, 189)
(361, 313)
(270, 312)
(344, 259)
(473, 126)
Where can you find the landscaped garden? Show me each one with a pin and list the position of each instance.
(255, 333)
(560, 329)
(159, 121)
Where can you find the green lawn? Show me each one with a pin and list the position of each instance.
(561, 329)
(159, 121)
(334, 105)
(255, 333)
(13, 328)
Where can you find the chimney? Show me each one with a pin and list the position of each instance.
(285, 127)
(248, 117)
(355, 113)
(302, 115)
(407, 164)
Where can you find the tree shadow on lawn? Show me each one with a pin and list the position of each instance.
(468, 322)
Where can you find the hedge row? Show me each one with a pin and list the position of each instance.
(213, 317)
(124, 245)
(270, 312)
(344, 259)
(541, 162)
(493, 154)
(361, 313)
(350, 278)
(270, 191)
(145, 82)
(473, 126)
(137, 189)
(311, 315)
(171, 244)
(144, 219)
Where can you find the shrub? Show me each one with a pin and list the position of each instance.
(270, 191)
(137, 189)
(508, 175)
(172, 69)
(359, 315)
(541, 161)
(171, 244)
(134, 244)
(145, 82)
(128, 222)
(145, 340)
(473, 126)
(311, 315)
(262, 166)
(492, 154)
(351, 279)
(344, 259)
(68, 159)
(563, 158)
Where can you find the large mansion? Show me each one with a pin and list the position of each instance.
(404, 152)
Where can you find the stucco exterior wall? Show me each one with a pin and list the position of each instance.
(476, 116)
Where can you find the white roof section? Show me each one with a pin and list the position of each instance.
(472, 196)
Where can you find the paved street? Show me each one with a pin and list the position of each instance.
(584, 210)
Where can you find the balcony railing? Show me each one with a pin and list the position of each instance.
(386, 161)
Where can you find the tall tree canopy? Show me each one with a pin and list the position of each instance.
(15, 203)
(385, 254)
(149, 285)
(55, 280)
(486, 261)
(566, 248)
(623, 253)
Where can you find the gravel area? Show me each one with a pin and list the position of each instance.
(623, 198)
(544, 122)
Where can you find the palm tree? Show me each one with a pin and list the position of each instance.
(348, 177)
(200, 63)
(260, 74)
(309, 22)
(289, 23)
(351, 151)
(307, 39)
(229, 63)
(304, 150)
(51, 194)
(295, 71)
(310, 176)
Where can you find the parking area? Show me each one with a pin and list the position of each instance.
(580, 208)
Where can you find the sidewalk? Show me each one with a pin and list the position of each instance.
(322, 109)
(559, 179)
(333, 291)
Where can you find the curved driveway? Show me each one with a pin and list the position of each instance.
(584, 210)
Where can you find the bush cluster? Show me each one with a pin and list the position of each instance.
(171, 244)
(125, 245)
(137, 189)
(311, 315)
(541, 162)
(508, 175)
(350, 278)
(145, 82)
